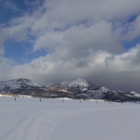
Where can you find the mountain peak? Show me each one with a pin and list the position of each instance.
(104, 89)
(133, 92)
(17, 84)
(79, 82)
(22, 79)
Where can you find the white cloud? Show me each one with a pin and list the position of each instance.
(85, 39)
(119, 71)
(93, 20)
(99, 36)
(71, 12)
(133, 30)
(48, 40)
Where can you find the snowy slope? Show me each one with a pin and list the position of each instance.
(133, 94)
(52, 119)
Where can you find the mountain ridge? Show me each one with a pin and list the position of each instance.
(76, 89)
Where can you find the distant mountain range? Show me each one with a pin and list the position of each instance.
(77, 89)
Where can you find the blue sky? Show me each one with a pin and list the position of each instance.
(19, 52)
(49, 41)
(10, 9)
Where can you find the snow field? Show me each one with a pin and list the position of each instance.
(52, 119)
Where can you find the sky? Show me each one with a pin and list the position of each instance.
(50, 41)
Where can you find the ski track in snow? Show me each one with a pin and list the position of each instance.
(29, 119)
(37, 125)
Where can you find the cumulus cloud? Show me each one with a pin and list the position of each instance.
(48, 40)
(120, 71)
(99, 36)
(133, 29)
(62, 17)
(84, 38)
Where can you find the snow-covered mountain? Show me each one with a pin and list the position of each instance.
(82, 88)
(133, 94)
(77, 89)
(102, 89)
(17, 84)
(82, 83)
(78, 84)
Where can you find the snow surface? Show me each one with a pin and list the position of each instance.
(62, 119)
